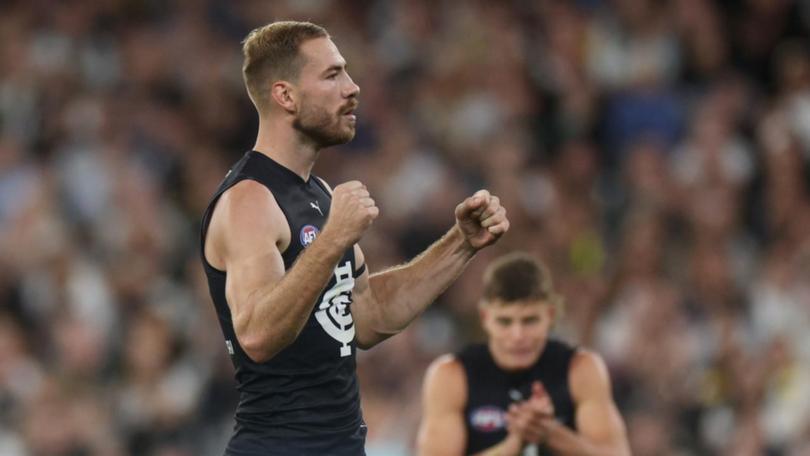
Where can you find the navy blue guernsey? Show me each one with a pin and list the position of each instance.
(305, 400)
(490, 391)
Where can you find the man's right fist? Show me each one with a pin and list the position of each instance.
(351, 213)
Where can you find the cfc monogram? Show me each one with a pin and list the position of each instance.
(333, 313)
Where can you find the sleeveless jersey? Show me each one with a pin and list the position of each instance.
(491, 390)
(305, 400)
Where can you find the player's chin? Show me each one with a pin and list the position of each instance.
(347, 133)
(340, 134)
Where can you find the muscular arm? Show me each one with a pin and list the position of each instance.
(600, 428)
(386, 302)
(442, 431)
(245, 238)
(444, 394)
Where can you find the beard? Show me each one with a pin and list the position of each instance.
(321, 127)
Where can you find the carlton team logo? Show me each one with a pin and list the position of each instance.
(488, 419)
(308, 234)
(334, 313)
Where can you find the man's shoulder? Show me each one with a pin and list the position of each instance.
(447, 363)
(249, 208)
(588, 360)
(588, 374)
(248, 192)
(446, 369)
(446, 379)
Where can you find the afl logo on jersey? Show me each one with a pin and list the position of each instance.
(308, 234)
(488, 419)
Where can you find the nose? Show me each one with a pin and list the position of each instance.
(352, 89)
(516, 332)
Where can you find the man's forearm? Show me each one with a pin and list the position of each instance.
(280, 311)
(403, 292)
(565, 442)
(510, 446)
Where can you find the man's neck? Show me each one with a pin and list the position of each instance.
(283, 144)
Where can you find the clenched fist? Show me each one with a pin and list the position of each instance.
(351, 213)
(482, 219)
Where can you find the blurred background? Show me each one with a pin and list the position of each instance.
(656, 154)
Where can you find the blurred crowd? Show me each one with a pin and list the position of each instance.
(654, 153)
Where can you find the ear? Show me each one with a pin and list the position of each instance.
(482, 310)
(283, 94)
(483, 313)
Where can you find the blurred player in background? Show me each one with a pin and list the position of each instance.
(289, 282)
(522, 393)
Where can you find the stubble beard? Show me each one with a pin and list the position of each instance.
(322, 128)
